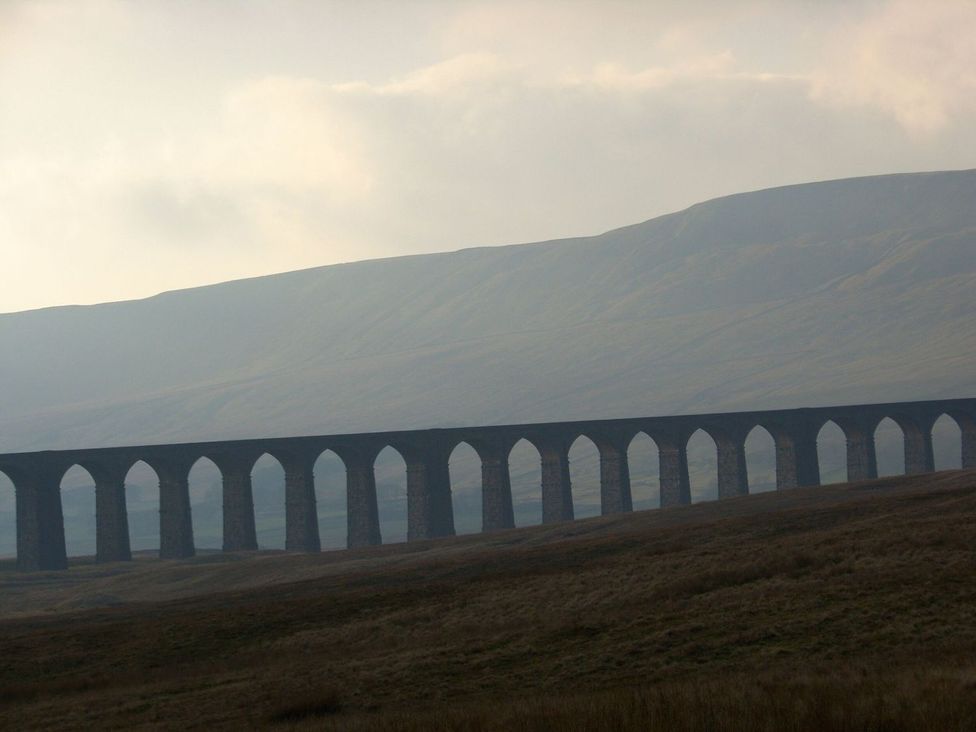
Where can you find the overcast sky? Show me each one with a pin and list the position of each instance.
(147, 146)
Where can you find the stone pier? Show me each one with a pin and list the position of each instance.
(497, 510)
(301, 514)
(175, 520)
(615, 494)
(111, 516)
(733, 475)
(862, 460)
(797, 462)
(240, 533)
(430, 509)
(37, 476)
(673, 457)
(40, 522)
(557, 490)
(919, 455)
(362, 511)
(967, 428)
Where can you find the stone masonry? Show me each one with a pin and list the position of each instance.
(37, 476)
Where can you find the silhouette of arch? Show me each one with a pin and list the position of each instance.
(464, 466)
(525, 469)
(702, 466)
(889, 446)
(205, 482)
(8, 516)
(390, 469)
(760, 449)
(268, 493)
(832, 453)
(77, 487)
(584, 476)
(330, 499)
(947, 443)
(645, 472)
(142, 504)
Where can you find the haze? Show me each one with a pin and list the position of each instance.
(156, 145)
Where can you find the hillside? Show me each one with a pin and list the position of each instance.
(851, 290)
(848, 607)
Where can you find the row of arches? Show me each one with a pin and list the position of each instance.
(268, 475)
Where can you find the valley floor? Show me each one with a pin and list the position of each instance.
(839, 607)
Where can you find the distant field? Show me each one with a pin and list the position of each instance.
(839, 607)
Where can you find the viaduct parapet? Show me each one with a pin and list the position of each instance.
(37, 475)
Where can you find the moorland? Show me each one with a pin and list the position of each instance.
(850, 606)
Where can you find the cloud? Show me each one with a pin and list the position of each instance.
(914, 61)
(720, 67)
(156, 149)
(281, 132)
(466, 74)
(182, 215)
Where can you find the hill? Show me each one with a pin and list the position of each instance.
(845, 291)
(846, 607)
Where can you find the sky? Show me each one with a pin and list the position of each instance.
(149, 146)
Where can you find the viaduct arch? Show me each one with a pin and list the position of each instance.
(36, 476)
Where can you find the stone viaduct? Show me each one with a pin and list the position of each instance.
(37, 475)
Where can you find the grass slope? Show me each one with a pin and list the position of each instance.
(839, 607)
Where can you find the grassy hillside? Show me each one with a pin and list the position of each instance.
(833, 608)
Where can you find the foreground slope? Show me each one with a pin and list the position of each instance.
(846, 291)
(846, 606)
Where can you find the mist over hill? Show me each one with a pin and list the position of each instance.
(849, 290)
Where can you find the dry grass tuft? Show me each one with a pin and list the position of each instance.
(305, 705)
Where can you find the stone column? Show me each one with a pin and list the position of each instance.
(111, 518)
(175, 520)
(420, 501)
(443, 496)
(919, 455)
(430, 510)
(557, 490)
(497, 511)
(615, 495)
(733, 475)
(673, 460)
(797, 462)
(967, 429)
(301, 514)
(862, 461)
(362, 511)
(240, 533)
(29, 552)
(40, 523)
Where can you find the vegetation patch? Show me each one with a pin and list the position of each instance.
(857, 614)
(308, 704)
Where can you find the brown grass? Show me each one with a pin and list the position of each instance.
(849, 700)
(838, 608)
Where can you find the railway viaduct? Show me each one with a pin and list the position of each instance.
(37, 475)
